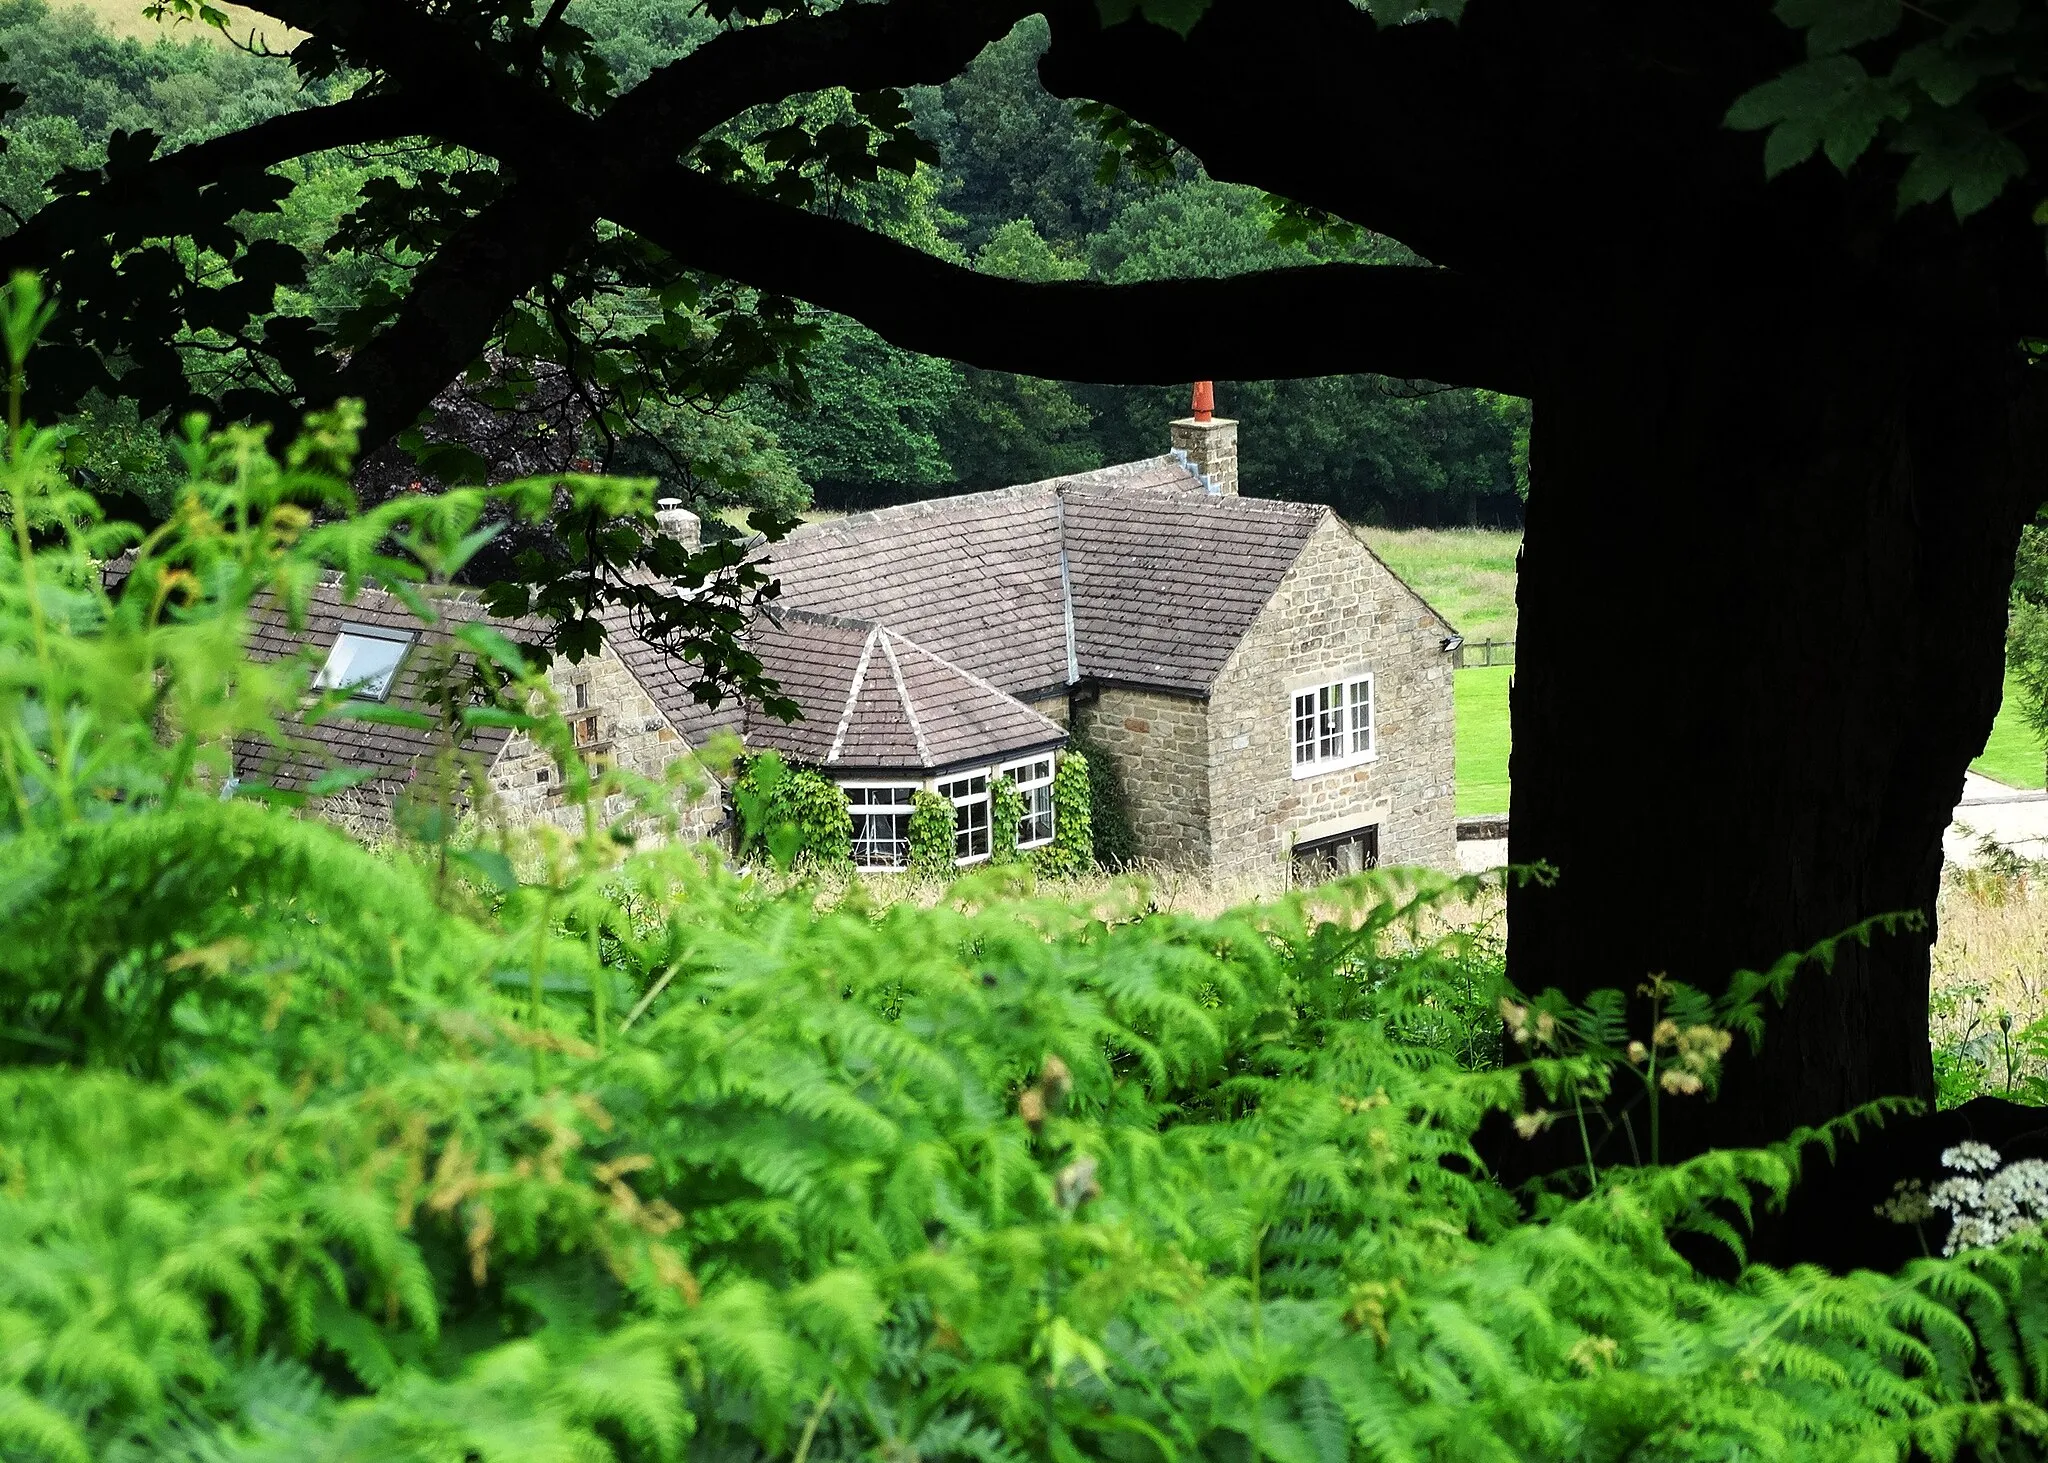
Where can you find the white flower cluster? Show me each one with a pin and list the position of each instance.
(1989, 1209)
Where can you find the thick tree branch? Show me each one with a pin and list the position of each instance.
(862, 47)
(263, 145)
(456, 301)
(1422, 132)
(1320, 320)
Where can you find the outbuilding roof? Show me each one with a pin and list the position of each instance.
(388, 752)
(1133, 573)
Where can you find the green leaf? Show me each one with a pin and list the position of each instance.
(339, 779)
(1836, 25)
(1832, 102)
(494, 645)
(489, 865)
(1178, 16)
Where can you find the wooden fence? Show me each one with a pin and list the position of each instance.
(1483, 652)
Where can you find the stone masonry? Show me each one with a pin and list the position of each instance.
(1159, 745)
(1210, 448)
(1338, 612)
(614, 720)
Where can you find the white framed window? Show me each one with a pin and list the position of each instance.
(881, 825)
(969, 797)
(1333, 725)
(364, 661)
(1034, 786)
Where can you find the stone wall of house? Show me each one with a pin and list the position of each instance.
(618, 722)
(1159, 745)
(1052, 708)
(1338, 612)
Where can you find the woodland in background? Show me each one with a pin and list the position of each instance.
(1017, 194)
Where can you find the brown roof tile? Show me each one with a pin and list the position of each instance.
(1162, 578)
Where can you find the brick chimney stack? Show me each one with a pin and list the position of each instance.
(678, 522)
(1209, 442)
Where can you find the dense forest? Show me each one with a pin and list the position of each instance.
(1018, 194)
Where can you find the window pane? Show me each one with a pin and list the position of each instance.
(1361, 717)
(1305, 728)
(1035, 826)
(362, 665)
(1331, 735)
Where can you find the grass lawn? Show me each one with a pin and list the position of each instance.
(1483, 739)
(2013, 755)
(1467, 573)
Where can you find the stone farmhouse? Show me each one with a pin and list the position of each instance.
(1273, 698)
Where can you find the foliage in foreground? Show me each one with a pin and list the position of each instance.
(310, 1152)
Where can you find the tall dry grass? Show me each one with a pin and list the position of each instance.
(1990, 975)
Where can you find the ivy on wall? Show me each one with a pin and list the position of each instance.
(1072, 850)
(931, 835)
(1114, 843)
(1005, 812)
(795, 817)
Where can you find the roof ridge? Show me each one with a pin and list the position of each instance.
(816, 617)
(860, 679)
(917, 507)
(967, 675)
(924, 750)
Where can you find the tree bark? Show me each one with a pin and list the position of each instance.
(1762, 599)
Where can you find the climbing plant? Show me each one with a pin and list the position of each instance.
(931, 835)
(795, 816)
(1005, 812)
(1113, 842)
(1072, 850)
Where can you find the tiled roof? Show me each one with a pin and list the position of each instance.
(975, 579)
(1161, 577)
(872, 699)
(1165, 586)
(390, 752)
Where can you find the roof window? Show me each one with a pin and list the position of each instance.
(364, 661)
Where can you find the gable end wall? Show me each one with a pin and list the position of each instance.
(635, 736)
(1338, 610)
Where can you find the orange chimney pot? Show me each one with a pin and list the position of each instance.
(1205, 400)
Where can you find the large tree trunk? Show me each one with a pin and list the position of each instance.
(1762, 597)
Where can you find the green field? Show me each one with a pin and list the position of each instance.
(1468, 574)
(2013, 755)
(1483, 739)
(125, 18)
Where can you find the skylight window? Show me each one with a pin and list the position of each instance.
(364, 661)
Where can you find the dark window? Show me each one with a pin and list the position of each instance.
(969, 796)
(1351, 852)
(881, 826)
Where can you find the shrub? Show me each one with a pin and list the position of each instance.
(931, 835)
(1072, 850)
(1114, 844)
(797, 817)
(1005, 810)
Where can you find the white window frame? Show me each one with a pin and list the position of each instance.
(856, 813)
(1325, 730)
(1037, 794)
(964, 804)
(329, 680)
